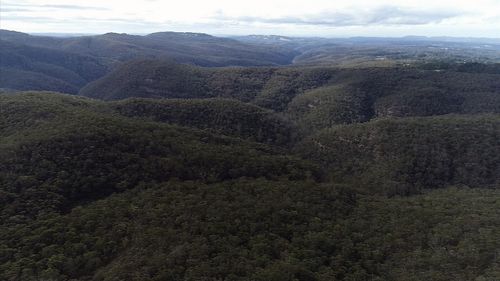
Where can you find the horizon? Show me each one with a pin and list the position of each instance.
(316, 18)
(408, 36)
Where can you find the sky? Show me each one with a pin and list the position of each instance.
(326, 18)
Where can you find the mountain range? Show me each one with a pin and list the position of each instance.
(184, 156)
(66, 64)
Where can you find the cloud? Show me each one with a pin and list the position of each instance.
(5, 10)
(8, 7)
(37, 19)
(387, 15)
(73, 7)
(77, 20)
(287, 17)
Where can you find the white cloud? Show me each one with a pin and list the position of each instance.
(288, 17)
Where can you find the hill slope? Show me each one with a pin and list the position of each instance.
(194, 48)
(94, 190)
(315, 97)
(66, 64)
(34, 68)
(68, 150)
(402, 156)
(221, 116)
(270, 87)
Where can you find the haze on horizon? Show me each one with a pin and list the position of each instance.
(341, 18)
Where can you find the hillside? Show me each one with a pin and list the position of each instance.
(316, 97)
(364, 94)
(221, 116)
(66, 64)
(165, 79)
(286, 231)
(69, 150)
(193, 48)
(35, 68)
(209, 189)
(404, 156)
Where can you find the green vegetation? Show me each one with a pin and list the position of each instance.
(260, 230)
(443, 235)
(353, 96)
(221, 116)
(328, 106)
(237, 230)
(403, 156)
(314, 97)
(70, 155)
(177, 172)
(34, 68)
(148, 79)
(271, 88)
(66, 64)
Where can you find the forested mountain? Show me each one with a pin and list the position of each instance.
(295, 159)
(403, 156)
(222, 116)
(133, 190)
(25, 67)
(47, 138)
(316, 97)
(66, 64)
(268, 87)
(195, 48)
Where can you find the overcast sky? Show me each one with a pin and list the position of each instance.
(330, 18)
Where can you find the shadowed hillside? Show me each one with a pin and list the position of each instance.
(222, 116)
(177, 189)
(194, 48)
(69, 150)
(66, 64)
(401, 156)
(315, 97)
(36, 68)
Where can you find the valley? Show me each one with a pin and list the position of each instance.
(185, 156)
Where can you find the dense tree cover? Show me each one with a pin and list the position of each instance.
(260, 230)
(23, 111)
(470, 67)
(184, 47)
(66, 64)
(401, 156)
(222, 116)
(271, 88)
(9, 79)
(315, 97)
(419, 102)
(54, 161)
(268, 87)
(434, 101)
(245, 229)
(360, 95)
(191, 189)
(148, 79)
(328, 106)
(33, 68)
(444, 235)
(430, 92)
(287, 83)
